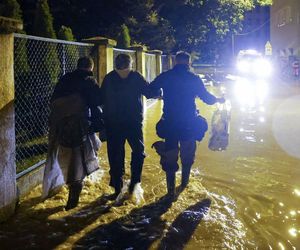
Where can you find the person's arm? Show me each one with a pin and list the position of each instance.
(204, 95)
(155, 87)
(93, 92)
(145, 90)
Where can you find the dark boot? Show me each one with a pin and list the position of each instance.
(171, 184)
(185, 176)
(74, 192)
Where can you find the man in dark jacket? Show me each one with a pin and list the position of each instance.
(180, 88)
(73, 97)
(123, 91)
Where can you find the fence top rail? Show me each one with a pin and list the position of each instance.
(124, 50)
(149, 54)
(44, 39)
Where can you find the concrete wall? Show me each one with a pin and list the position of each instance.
(8, 190)
(285, 23)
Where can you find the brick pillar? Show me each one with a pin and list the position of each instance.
(8, 189)
(104, 57)
(140, 59)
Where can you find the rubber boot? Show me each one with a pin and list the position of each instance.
(74, 192)
(185, 176)
(171, 184)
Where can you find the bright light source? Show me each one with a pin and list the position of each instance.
(262, 67)
(262, 119)
(245, 92)
(243, 66)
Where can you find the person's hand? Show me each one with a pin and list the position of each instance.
(221, 100)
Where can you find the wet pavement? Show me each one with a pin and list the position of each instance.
(247, 197)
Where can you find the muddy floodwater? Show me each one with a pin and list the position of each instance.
(247, 197)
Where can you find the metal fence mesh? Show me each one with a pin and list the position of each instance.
(38, 64)
(132, 53)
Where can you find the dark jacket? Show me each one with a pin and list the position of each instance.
(180, 89)
(123, 98)
(79, 81)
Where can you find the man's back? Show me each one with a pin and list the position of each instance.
(180, 88)
(122, 97)
(78, 82)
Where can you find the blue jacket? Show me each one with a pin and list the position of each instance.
(180, 88)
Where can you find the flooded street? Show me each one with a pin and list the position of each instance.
(247, 197)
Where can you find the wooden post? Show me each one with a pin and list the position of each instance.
(8, 189)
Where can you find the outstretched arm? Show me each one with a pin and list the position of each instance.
(155, 87)
(146, 90)
(204, 95)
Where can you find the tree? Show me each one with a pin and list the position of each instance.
(163, 24)
(69, 52)
(46, 63)
(204, 26)
(10, 8)
(124, 39)
(43, 27)
(43, 21)
(65, 33)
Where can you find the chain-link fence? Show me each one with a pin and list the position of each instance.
(38, 64)
(132, 53)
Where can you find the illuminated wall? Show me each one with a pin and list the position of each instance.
(285, 27)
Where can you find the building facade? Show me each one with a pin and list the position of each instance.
(256, 30)
(285, 28)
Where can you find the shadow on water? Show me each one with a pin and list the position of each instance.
(55, 231)
(136, 230)
(184, 226)
(143, 226)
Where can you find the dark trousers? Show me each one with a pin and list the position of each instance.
(116, 138)
(174, 146)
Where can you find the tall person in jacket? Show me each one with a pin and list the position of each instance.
(73, 145)
(122, 92)
(180, 126)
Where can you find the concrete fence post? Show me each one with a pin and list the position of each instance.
(8, 189)
(158, 54)
(104, 56)
(170, 61)
(140, 59)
